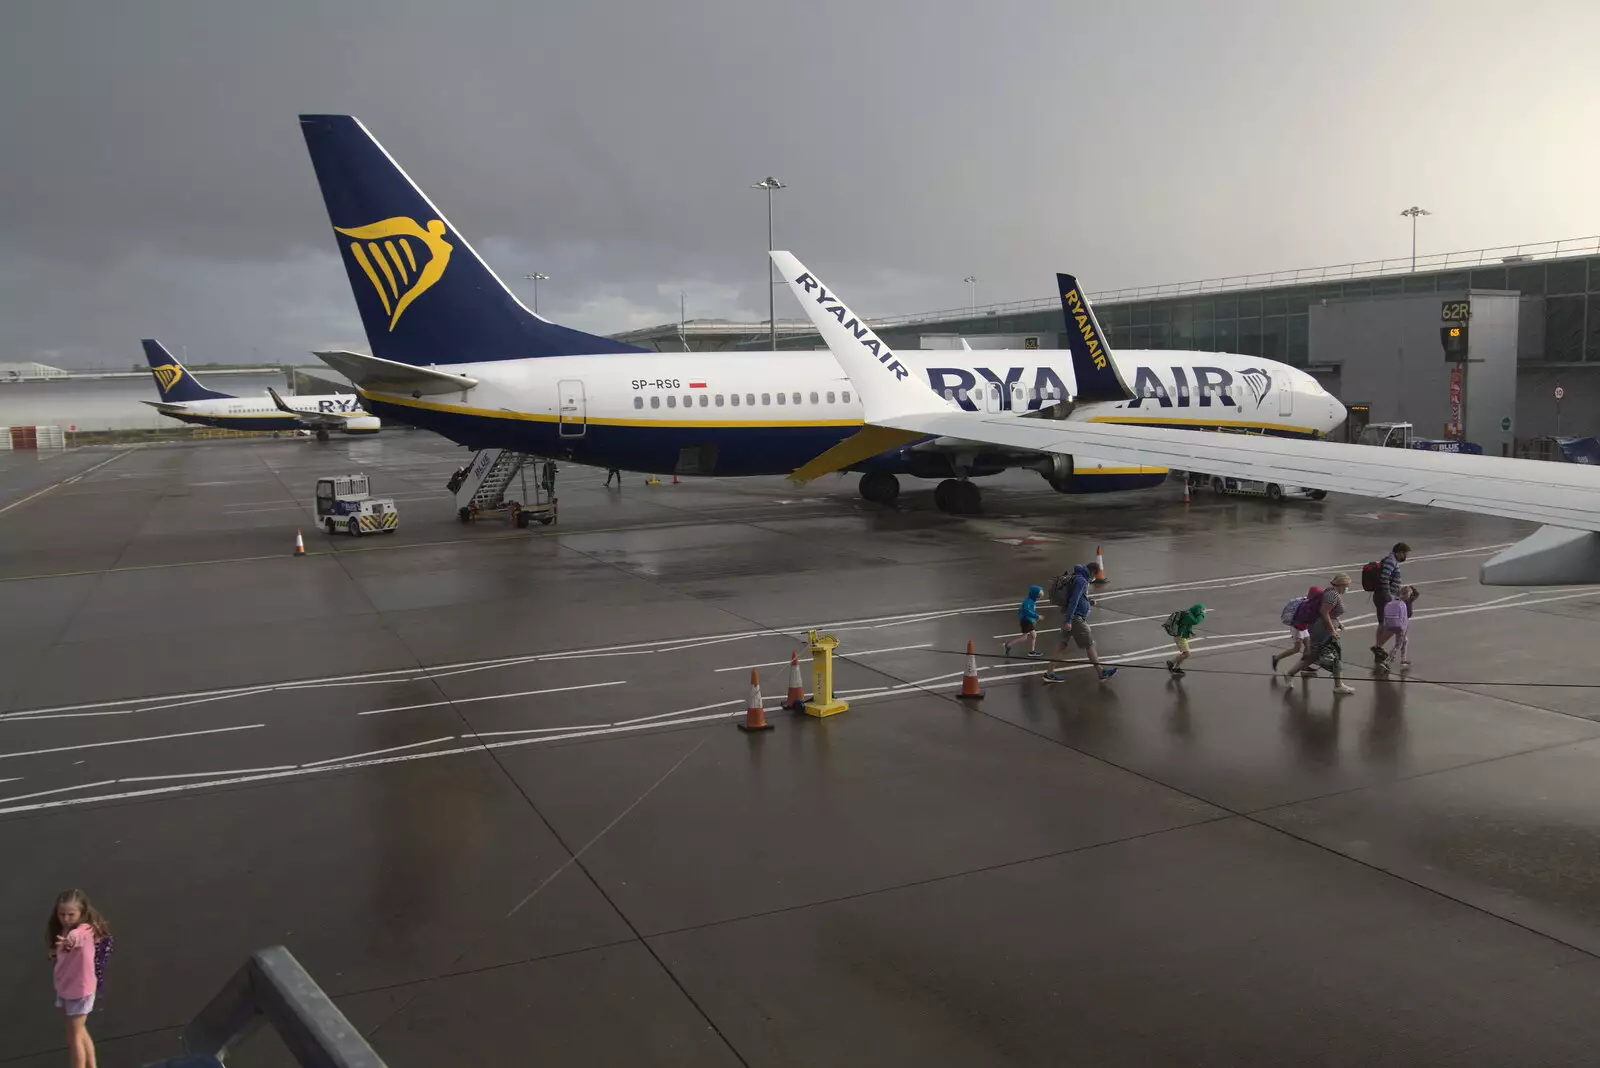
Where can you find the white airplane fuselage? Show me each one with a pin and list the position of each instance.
(769, 413)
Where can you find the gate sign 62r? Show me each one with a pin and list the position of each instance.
(1456, 311)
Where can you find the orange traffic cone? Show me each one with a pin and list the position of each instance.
(299, 543)
(755, 717)
(675, 478)
(1185, 489)
(1099, 566)
(797, 692)
(969, 679)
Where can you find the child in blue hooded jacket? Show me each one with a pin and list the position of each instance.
(1028, 622)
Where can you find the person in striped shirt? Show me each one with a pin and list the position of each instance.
(1389, 587)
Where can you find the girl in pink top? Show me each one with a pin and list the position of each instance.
(73, 929)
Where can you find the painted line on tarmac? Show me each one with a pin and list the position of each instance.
(411, 674)
(494, 697)
(66, 481)
(131, 741)
(377, 752)
(843, 656)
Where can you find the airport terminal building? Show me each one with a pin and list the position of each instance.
(1370, 332)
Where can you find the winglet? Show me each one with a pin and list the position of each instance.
(1092, 364)
(886, 386)
(278, 401)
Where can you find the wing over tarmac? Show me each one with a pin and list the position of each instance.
(1565, 498)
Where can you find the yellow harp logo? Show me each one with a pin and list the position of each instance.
(167, 375)
(398, 271)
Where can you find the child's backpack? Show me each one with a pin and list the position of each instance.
(1172, 623)
(1371, 572)
(102, 950)
(1291, 611)
(1061, 589)
(1310, 608)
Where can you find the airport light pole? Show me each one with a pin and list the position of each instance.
(536, 277)
(770, 183)
(972, 280)
(1414, 211)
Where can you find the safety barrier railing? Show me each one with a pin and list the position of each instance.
(273, 989)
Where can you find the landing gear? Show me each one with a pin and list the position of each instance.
(322, 435)
(879, 488)
(958, 497)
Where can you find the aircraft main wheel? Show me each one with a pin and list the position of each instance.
(1274, 493)
(1317, 495)
(322, 435)
(941, 495)
(880, 488)
(967, 498)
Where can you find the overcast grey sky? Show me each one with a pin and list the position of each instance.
(153, 178)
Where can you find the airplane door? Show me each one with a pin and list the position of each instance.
(1285, 400)
(572, 415)
(991, 398)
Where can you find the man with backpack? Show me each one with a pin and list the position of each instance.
(1071, 593)
(1381, 578)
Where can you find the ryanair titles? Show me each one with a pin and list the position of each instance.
(862, 332)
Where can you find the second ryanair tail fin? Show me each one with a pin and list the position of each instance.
(426, 298)
(1092, 365)
(173, 380)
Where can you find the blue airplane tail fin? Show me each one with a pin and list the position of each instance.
(425, 296)
(1096, 372)
(173, 380)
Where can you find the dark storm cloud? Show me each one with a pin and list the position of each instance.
(155, 180)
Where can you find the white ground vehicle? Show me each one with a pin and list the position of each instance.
(1249, 487)
(346, 503)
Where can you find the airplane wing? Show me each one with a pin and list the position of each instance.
(1563, 497)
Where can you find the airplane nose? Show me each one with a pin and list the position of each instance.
(1336, 414)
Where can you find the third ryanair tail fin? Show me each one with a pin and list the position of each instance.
(1096, 372)
(426, 298)
(173, 380)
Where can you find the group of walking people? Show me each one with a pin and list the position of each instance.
(1314, 622)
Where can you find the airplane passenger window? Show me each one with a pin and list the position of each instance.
(750, 399)
(688, 402)
(782, 399)
(797, 398)
(735, 399)
(846, 395)
(638, 402)
(672, 402)
(813, 396)
(961, 394)
(830, 398)
(766, 398)
(655, 402)
(719, 400)
(704, 400)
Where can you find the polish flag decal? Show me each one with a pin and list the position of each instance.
(697, 385)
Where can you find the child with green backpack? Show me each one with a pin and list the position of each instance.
(1181, 626)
